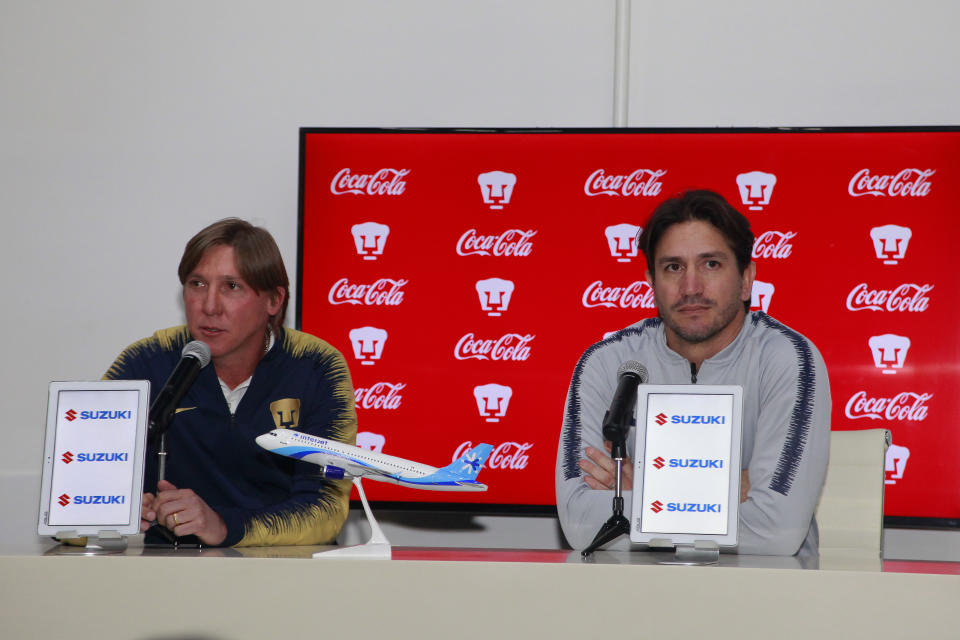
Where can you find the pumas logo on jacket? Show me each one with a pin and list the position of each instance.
(286, 413)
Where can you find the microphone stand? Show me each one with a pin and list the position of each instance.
(160, 426)
(617, 525)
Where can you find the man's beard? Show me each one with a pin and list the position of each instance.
(726, 315)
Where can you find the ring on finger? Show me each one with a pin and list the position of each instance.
(176, 521)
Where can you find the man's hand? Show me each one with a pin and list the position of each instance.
(600, 470)
(744, 485)
(147, 515)
(184, 512)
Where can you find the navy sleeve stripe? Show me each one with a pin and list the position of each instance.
(801, 416)
(571, 436)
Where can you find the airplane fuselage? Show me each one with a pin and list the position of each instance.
(344, 460)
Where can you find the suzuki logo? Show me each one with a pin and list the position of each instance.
(492, 400)
(889, 351)
(890, 242)
(64, 500)
(497, 187)
(368, 344)
(895, 464)
(370, 238)
(661, 419)
(656, 506)
(71, 415)
(756, 187)
(67, 458)
(658, 462)
(494, 294)
(760, 296)
(371, 441)
(622, 240)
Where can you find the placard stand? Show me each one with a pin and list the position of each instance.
(376, 548)
(104, 543)
(701, 552)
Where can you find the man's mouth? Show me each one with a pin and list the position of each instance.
(211, 331)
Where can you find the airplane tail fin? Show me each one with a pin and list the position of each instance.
(468, 466)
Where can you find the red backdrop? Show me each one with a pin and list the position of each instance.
(462, 275)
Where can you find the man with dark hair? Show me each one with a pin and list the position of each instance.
(698, 250)
(220, 486)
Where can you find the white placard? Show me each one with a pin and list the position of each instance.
(687, 464)
(93, 457)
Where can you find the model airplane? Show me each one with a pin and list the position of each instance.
(341, 460)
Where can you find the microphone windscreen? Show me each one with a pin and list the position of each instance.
(200, 351)
(634, 367)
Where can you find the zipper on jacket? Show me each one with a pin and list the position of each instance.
(693, 373)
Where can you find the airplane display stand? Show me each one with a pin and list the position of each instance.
(376, 548)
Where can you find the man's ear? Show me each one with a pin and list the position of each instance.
(649, 277)
(749, 274)
(276, 301)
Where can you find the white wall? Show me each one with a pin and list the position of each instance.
(126, 126)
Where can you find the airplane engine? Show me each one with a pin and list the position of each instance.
(332, 472)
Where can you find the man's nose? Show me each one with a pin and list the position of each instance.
(691, 282)
(211, 302)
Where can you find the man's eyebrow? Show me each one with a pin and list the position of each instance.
(700, 256)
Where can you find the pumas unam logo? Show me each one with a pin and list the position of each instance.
(889, 351)
(890, 242)
(492, 400)
(497, 187)
(756, 188)
(370, 238)
(895, 463)
(371, 441)
(761, 295)
(622, 241)
(494, 294)
(368, 344)
(286, 413)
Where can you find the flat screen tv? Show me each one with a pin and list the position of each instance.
(463, 272)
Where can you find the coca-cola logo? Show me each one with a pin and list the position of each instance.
(908, 183)
(907, 406)
(511, 346)
(774, 244)
(642, 182)
(906, 297)
(506, 455)
(385, 182)
(636, 295)
(383, 292)
(382, 395)
(512, 242)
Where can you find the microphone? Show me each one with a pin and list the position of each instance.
(194, 357)
(617, 420)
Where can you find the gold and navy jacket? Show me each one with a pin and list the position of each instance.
(301, 383)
